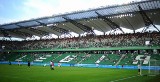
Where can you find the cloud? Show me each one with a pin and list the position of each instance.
(40, 8)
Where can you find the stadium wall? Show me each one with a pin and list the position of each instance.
(82, 65)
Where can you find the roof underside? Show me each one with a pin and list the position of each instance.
(126, 15)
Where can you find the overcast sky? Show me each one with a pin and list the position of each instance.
(17, 10)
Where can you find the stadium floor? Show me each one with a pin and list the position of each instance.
(14, 73)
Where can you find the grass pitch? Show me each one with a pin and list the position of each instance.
(14, 73)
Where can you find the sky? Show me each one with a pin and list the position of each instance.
(18, 10)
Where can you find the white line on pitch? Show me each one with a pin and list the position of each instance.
(124, 78)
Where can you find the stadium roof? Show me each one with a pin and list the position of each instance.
(132, 16)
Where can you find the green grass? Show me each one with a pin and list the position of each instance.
(14, 73)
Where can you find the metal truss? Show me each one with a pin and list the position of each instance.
(146, 20)
(85, 28)
(60, 30)
(112, 24)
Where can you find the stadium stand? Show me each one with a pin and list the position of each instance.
(119, 40)
(109, 57)
(107, 49)
(104, 57)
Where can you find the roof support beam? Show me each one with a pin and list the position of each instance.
(5, 33)
(130, 24)
(39, 31)
(60, 30)
(20, 26)
(48, 29)
(21, 33)
(31, 29)
(43, 24)
(30, 32)
(146, 20)
(85, 28)
(14, 34)
(112, 24)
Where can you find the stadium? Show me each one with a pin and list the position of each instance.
(113, 55)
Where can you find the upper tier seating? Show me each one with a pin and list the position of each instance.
(119, 40)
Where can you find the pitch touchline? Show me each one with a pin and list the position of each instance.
(124, 78)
